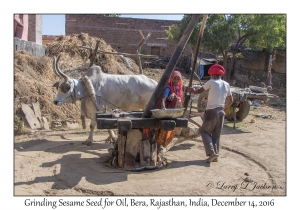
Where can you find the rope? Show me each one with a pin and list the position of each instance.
(108, 102)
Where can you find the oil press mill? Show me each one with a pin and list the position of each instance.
(136, 146)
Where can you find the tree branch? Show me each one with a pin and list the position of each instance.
(139, 49)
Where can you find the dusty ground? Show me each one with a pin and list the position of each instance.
(56, 163)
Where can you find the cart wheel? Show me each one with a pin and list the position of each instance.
(202, 101)
(244, 109)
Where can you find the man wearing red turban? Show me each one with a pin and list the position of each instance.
(219, 99)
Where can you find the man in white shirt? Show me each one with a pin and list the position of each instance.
(219, 99)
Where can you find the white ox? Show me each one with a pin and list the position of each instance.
(126, 92)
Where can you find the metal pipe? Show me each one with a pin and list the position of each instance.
(169, 68)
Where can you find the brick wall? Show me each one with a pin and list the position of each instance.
(123, 33)
(39, 29)
(48, 39)
(35, 28)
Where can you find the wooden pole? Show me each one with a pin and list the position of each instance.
(139, 49)
(94, 53)
(169, 69)
(271, 59)
(269, 71)
(118, 53)
(187, 95)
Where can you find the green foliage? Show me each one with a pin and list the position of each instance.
(173, 33)
(219, 32)
(268, 32)
(258, 31)
(18, 123)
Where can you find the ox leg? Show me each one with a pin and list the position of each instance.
(89, 141)
(83, 121)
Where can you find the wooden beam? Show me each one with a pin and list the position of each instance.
(112, 123)
(118, 53)
(121, 149)
(170, 67)
(133, 141)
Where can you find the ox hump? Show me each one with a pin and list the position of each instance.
(94, 70)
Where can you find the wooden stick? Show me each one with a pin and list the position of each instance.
(139, 49)
(94, 53)
(118, 53)
(198, 48)
(234, 117)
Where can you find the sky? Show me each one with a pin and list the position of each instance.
(55, 24)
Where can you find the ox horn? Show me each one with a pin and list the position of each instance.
(54, 67)
(59, 71)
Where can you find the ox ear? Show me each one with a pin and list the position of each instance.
(56, 85)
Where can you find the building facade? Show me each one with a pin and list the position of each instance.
(21, 26)
(35, 28)
(123, 34)
(48, 39)
(28, 27)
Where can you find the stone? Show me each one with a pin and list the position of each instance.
(56, 124)
(197, 120)
(30, 117)
(45, 123)
(36, 109)
(72, 125)
(191, 131)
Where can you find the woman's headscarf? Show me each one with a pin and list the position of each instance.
(172, 88)
(180, 84)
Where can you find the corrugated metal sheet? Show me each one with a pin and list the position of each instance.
(205, 62)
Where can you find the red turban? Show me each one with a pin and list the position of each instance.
(216, 69)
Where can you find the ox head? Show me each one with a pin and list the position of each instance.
(65, 87)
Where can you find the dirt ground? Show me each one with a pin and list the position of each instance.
(56, 163)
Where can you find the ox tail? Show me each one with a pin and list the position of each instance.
(91, 91)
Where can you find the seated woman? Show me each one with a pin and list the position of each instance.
(171, 98)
